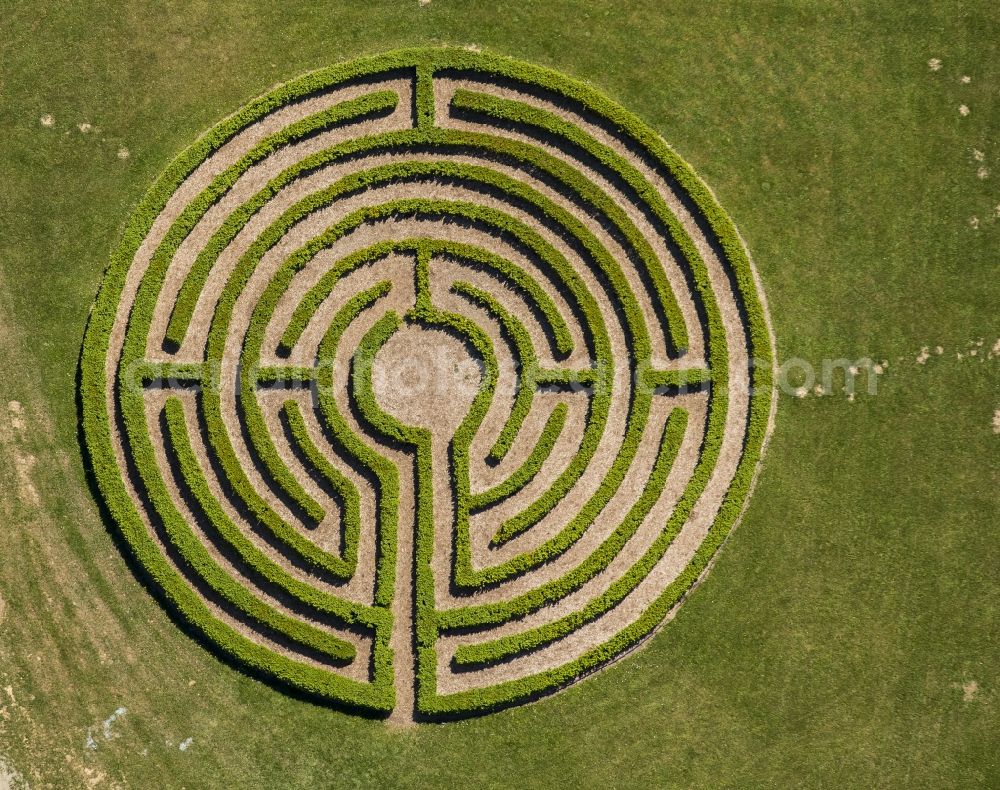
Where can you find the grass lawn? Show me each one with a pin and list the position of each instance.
(848, 634)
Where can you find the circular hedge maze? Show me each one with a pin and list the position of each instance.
(426, 384)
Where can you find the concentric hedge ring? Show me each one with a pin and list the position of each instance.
(466, 549)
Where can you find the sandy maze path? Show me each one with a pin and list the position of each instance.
(424, 384)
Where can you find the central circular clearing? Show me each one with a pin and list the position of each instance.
(427, 378)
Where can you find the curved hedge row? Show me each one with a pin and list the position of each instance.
(345, 491)
(561, 185)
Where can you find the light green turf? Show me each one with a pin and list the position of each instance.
(828, 646)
